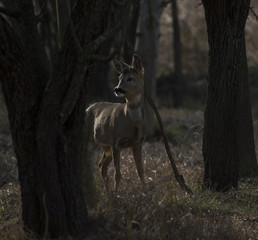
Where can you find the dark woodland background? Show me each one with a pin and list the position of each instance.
(55, 60)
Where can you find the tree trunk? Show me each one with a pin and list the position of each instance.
(48, 29)
(177, 81)
(247, 158)
(46, 127)
(99, 84)
(147, 41)
(227, 72)
(131, 32)
(146, 47)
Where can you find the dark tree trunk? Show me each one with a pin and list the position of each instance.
(177, 81)
(48, 29)
(131, 32)
(99, 83)
(227, 72)
(47, 122)
(247, 158)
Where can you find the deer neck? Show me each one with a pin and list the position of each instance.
(134, 108)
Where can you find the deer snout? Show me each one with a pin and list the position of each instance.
(119, 91)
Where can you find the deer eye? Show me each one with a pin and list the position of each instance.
(129, 79)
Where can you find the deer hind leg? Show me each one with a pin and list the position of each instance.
(116, 157)
(103, 165)
(137, 153)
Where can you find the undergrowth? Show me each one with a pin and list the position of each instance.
(162, 212)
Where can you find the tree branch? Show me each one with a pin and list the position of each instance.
(79, 46)
(108, 34)
(42, 8)
(10, 13)
(178, 177)
(120, 25)
(255, 15)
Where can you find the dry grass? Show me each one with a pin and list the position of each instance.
(164, 211)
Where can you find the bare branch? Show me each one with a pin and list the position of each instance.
(255, 15)
(9, 13)
(121, 25)
(117, 26)
(99, 58)
(80, 49)
(178, 177)
(42, 8)
(108, 34)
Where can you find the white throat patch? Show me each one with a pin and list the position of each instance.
(134, 108)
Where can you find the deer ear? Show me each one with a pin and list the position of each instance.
(119, 66)
(137, 64)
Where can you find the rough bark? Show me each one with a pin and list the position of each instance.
(225, 25)
(99, 84)
(48, 29)
(61, 120)
(24, 75)
(247, 158)
(177, 81)
(47, 122)
(21, 94)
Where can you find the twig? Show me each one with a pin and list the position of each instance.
(255, 15)
(178, 177)
(9, 12)
(42, 8)
(107, 35)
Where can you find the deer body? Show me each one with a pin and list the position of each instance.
(115, 126)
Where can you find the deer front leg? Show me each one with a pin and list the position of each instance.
(116, 157)
(137, 153)
(103, 165)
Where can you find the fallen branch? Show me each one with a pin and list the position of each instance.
(178, 177)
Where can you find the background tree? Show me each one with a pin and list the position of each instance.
(131, 32)
(227, 77)
(46, 111)
(146, 46)
(147, 41)
(177, 81)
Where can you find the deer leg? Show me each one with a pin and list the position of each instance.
(137, 153)
(103, 165)
(116, 157)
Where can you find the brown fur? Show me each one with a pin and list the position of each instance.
(115, 126)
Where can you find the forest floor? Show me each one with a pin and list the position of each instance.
(165, 211)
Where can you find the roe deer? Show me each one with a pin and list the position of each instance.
(115, 126)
